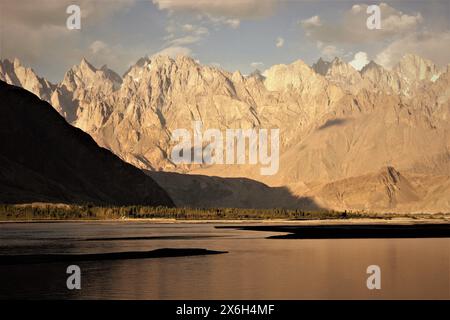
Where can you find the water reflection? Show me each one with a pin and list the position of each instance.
(254, 268)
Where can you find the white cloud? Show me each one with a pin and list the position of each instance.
(360, 60)
(173, 52)
(352, 29)
(430, 45)
(356, 8)
(221, 21)
(36, 33)
(233, 23)
(183, 35)
(221, 8)
(400, 33)
(220, 12)
(186, 40)
(53, 13)
(280, 42)
(188, 27)
(98, 46)
(198, 30)
(397, 21)
(256, 65)
(311, 22)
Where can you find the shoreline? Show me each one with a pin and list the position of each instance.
(354, 221)
(352, 231)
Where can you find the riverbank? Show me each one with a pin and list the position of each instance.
(352, 231)
(40, 212)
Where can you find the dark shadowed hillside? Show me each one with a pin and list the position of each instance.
(199, 191)
(44, 159)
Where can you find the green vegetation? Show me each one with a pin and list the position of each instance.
(89, 212)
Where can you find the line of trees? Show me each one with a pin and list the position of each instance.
(90, 212)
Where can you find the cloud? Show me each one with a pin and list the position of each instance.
(311, 22)
(360, 60)
(180, 35)
(116, 56)
(431, 45)
(53, 12)
(194, 29)
(98, 47)
(173, 52)
(220, 12)
(280, 42)
(48, 42)
(220, 21)
(256, 65)
(233, 23)
(400, 33)
(221, 8)
(352, 27)
(188, 27)
(186, 40)
(329, 51)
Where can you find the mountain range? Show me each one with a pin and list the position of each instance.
(370, 140)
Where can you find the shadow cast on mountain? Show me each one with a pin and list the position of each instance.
(333, 123)
(44, 159)
(199, 191)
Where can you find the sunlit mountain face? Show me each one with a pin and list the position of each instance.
(359, 93)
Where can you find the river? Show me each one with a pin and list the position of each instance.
(253, 267)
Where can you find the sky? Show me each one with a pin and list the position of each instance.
(235, 34)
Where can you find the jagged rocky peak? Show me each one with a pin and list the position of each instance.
(134, 72)
(257, 75)
(339, 73)
(164, 65)
(336, 70)
(86, 76)
(112, 75)
(297, 75)
(161, 60)
(379, 76)
(183, 59)
(321, 66)
(79, 75)
(341, 67)
(372, 65)
(337, 61)
(86, 66)
(10, 64)
(13, 72)
(237, 76)
(416, 68)
(142, 62)
(5, 69)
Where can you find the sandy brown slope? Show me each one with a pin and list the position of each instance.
(44, 159)
(387, 190)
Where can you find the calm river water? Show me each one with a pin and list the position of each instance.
(253, 268)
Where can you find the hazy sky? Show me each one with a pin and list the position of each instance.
(235, 34)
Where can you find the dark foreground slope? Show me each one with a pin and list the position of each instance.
(44, 159)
